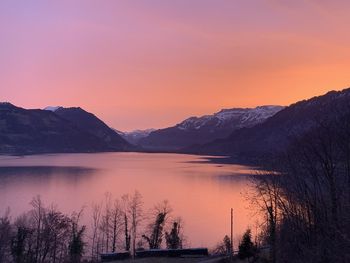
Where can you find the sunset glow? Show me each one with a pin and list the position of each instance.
(143, 64)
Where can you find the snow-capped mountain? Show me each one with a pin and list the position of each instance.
(199, 130)
(52, 108)
(297, 121)
(236, 117)
(135, 136)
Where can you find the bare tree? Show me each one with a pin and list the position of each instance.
(44, 234)
(5, 236)
(37, 216)
(136, 213)
(41, 235)
(95, 242)
(269, 197)
(117, 222)
(306, 201)
(55, 235)
(125, 215)
(106, 222)
(21, 246)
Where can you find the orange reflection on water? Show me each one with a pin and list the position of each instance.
(201, 193)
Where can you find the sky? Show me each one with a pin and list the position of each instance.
(152, 63)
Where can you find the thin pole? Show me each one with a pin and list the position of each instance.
(231, 254)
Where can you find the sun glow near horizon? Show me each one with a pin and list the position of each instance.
(154, 63)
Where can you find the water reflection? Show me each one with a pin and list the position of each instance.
(202, 193)
(232, 178)
(43, 174)
(45, 170)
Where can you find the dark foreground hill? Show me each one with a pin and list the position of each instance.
(25, 131)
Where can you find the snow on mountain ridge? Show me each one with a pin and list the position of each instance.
(240, 117)
(52, 108)
(134, 136)
(136, 132)
(146, 131)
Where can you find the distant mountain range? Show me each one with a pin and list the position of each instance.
(247, 133)
(25, 131)
(200, 130)
(135, 136)
(277, 132)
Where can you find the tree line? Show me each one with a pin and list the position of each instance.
(306, 202)
(45, 234)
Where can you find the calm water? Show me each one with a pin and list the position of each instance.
(201, 193)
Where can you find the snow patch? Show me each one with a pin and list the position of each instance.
(240, 117)
(52, 108)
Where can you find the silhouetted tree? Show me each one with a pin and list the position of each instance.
(246, 248)
(117, 222)
(37, 215)
(174, 239)
(155, 229)
(306, 202)
(5, 236)
(125, 215)
(95, 239)
(224, 247)
(18, 246)
(136, 216)
(76, 244)
(45, 234)
(227, 244)
(155, 239)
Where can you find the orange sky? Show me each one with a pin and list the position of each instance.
(152, 63)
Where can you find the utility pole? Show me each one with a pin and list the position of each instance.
(231, 254)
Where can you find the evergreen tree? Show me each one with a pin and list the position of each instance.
(155, 239)
(18, 244)
(76, 246)
(246, 247)
(173, 240)
(227, 244)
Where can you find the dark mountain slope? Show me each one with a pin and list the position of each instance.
(36, 131)
(88, 122)
(275, 134)
(207, 128)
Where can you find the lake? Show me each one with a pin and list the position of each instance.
(200, 192)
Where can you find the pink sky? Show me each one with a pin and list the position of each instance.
(142, 64)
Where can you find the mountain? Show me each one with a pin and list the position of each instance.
(52, 108)
(276, 133)
(25, 131)
(135, 136)
(89, 123)
(199, 130)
